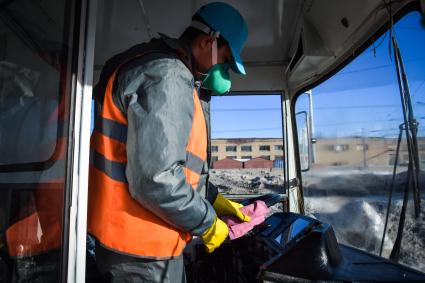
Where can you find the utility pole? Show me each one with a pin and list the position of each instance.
(312, 141)
(364, 145)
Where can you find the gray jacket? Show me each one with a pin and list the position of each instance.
(156, 94)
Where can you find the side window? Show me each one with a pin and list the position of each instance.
(231, 148)
(264, 147)
(348, 139)
(35, 98)
(247, 148)
(247, 144)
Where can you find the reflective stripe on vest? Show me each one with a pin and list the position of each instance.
(117, 220)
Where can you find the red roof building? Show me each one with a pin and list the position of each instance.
(258, 163)
(227, 164)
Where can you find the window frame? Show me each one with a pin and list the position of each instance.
(410, 7)
(285, 133)
(70, 59)
(231, 146)
(73, 34)
(245, 146)
(278, 147)
(264, 146)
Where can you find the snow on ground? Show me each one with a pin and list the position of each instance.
(359, 222)
(248, 181)
(354, 202)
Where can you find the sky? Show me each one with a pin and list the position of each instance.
(246, 116)
(361, 99)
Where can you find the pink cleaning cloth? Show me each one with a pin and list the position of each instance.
(237, 228)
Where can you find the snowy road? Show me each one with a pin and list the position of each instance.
(354, 202)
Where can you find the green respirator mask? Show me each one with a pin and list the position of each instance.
(217, 79)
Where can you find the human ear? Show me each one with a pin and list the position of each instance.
(205, 41)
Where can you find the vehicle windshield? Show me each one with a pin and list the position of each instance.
(355, 118)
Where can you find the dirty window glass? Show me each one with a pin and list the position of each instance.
(412, 250)
(356, 122)
(31, 56)
(250, 128)
(35, 87)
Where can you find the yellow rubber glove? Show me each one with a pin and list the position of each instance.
(215, 235)
(223, 206)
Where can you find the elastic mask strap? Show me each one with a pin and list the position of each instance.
(214, 52)
(215, 34)
(204, 28)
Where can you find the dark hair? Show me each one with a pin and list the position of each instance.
(190, 33)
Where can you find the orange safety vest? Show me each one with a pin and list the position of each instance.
(116, 219)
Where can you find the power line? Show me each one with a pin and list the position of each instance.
(247, 130)
(361, 122)
(317, 126)
(315, 108)
(378, 67)
(418, 88)
(352, 107)
(412, 96)
(244, 109)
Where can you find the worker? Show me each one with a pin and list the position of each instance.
(148, 166)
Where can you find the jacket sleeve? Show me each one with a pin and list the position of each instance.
(159, 99)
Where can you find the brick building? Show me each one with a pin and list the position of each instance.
(347, 152)
(258, 163)
(227, 164)
(266, 148)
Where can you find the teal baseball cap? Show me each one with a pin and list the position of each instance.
(230, 24)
